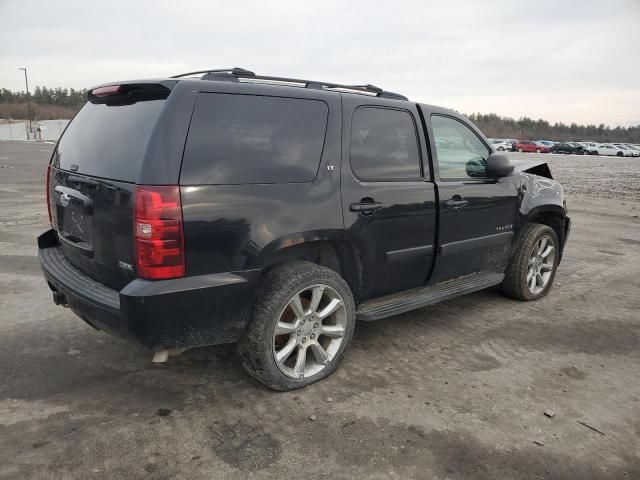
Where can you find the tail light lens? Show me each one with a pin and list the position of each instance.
(159, 240)
(48, 188)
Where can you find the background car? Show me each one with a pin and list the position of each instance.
(500, 145)
(588, 146)
(628, 151)
(635, 149)
(568, 148)
(529, 146)
(546, 143)
(579, 145)
(608, 149)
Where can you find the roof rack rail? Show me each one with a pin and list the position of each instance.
(233, 74)
(232, 71)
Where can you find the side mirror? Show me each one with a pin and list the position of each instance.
(499, 165)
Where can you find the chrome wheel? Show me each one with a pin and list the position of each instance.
(540, 266)
(310, 331)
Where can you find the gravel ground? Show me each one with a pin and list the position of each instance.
(457, 390)
(598, 177)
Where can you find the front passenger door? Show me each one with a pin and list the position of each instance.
(477, 213)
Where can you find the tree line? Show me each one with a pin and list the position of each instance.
(66, 97)
(54, 103)
(46, 103)
(525, 128)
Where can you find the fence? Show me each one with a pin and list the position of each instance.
(19, 130)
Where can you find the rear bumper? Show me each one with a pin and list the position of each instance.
(184, 312)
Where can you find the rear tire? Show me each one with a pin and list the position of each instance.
(520, 150)
(292, 343)
(537, 150)
(534, 262)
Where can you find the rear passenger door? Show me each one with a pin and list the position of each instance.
(477, 213)
(388, 200)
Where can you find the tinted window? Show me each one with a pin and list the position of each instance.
(108, 141)
(236, 139)
(460, 152)
(384, 145)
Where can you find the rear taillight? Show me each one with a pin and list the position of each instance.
(159, 242)
(48, 188)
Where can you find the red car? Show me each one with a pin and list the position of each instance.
(527, 146)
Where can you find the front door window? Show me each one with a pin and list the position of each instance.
(461, 154)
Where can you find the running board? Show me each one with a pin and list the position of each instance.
(421, 297)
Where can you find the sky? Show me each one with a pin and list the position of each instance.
(563, 60)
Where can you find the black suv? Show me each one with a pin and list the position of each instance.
(571, 148)
(223, 206)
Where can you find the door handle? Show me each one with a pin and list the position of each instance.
(456, 203)
(365, 207)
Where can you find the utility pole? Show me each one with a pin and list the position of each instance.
(26, 81)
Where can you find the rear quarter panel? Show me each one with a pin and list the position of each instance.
(237, 227)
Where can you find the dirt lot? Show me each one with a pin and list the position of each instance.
(457, 390)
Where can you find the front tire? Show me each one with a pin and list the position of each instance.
(302, 325)
(533, 266)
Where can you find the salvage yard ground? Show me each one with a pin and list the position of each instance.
(457, 390)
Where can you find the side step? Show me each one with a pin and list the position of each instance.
(421, 297)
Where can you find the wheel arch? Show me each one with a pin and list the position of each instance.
(553, 216)
(329, 250)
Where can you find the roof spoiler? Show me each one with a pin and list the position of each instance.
(127, 93)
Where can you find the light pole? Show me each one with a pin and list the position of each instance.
(26, 81)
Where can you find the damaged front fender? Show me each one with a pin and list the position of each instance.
(537, 189)
(539, 192)
(542, 199)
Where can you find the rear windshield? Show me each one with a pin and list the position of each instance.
(239, 139)
(108, 141)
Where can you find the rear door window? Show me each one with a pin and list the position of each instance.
(240, 139)
(384, 145)
(108, 141)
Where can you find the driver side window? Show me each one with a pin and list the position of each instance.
(461, 154)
